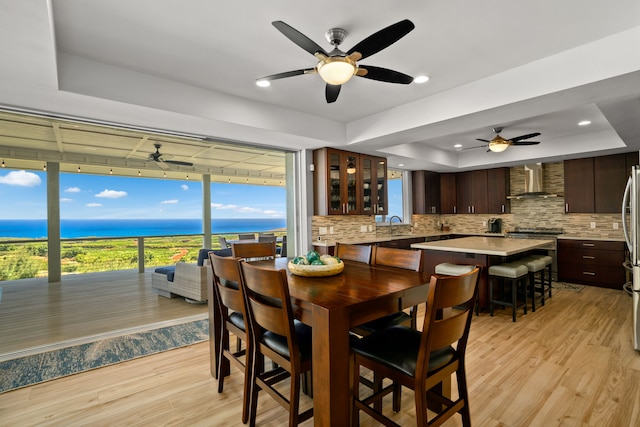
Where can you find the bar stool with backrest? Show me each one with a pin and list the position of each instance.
(422, 360)
(278, 336)
(230, 300)
(254, 251)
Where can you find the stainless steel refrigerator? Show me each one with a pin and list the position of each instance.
(631, 205)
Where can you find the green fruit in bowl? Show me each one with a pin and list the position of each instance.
(312, 256)
(317, 262)
(300, 260)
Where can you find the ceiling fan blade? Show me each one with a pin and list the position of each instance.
(177, 162)
(525, 143)
(331, 92)
(288, 74)
(383, 38)
(298, 38)
(483, 140)
(527, 136)
(385, 75)
(474, 147)
(161, 164)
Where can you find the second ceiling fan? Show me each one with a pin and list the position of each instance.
(498, 143)
(337, 67)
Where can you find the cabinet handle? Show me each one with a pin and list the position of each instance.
(502, 208)
(344, 208)
(566, 207)
(454, 209)
(588, 244)
(588, 273)
(588, 257)
(473, 209)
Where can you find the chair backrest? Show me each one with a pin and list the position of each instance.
(247, 236)
(266, 234)
(226, 282)
(359, 253)
(446, 292)
(223, 242)
(254, 250)
(283, 247)
(263, 238)
(408, 259)
(269, 303)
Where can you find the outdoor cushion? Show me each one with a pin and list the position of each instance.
(169, 270)
(202, 255)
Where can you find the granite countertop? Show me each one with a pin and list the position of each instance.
(484, 245)
(378, 239)
(586, 236)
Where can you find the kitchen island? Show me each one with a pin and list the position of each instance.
(477, 250)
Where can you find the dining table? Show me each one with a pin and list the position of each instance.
(333, 305)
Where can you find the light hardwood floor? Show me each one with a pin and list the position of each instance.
(571, 363)
(35, 314)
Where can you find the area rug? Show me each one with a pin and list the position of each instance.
(564, 286)
(49, 365)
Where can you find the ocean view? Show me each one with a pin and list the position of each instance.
(78, 228)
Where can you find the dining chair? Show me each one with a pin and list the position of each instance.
(358, 253)
(230, 301)
(278, 336)
(407, 259)
(254, 251)
(247, 236)
(266, 238)
(223, 242)
(421, 361)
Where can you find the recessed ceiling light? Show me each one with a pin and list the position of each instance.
(584, 123)
(263, 83)
(421, 79)
(457, 146)
(400, 164)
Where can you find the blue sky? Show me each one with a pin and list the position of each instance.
(83, 196)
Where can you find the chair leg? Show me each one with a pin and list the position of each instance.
(532, 290)
(294, 398)
(490, 296)
(514, 298)
(463, 394)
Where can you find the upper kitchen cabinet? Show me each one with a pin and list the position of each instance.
(349, 183)
(497, 191)
(448, 200)
(426, 192)
(596, 184)
(471, 192)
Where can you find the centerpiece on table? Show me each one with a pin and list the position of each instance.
(315, 265)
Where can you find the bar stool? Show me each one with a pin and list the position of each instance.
(511, 273)
(536, 268)
(448, 269)
(545, 279)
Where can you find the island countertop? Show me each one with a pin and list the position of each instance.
(484, 245)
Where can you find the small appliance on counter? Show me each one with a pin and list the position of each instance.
(495, 225)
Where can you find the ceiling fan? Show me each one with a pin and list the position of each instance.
(337, 67)
(157, 157)
(499, 144)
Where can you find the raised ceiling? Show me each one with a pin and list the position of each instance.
(190, 67)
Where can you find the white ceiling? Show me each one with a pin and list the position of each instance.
(190, 66)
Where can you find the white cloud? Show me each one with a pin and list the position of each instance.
(94, 205)
(21, 178)
(112, 194)
(270, 212)
(65, 199)
(72, 190)
(169, 202)
(248, 209)
(221, 206)
(185, 187)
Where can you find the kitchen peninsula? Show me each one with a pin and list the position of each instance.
(477, 250)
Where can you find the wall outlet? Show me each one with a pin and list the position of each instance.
(370, 228)
(322, 230)
(593, 225)
(330, 230)
(484, 223)
(363, 228)
(615, 225)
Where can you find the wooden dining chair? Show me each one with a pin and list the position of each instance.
(247, 236)
(421, 361)
(254, 250)
(230, 300)
(278, 336)
(407, 259)
(358, 253)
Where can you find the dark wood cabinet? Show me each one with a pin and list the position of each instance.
(471, 192)
(497, 191)
(426, 192)
(591, 262)
(349, 183)
(401, 243)
(448, 200)
(596, 184)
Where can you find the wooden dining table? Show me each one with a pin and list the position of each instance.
(332, 306)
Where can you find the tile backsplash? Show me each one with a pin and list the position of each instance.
(536, 212)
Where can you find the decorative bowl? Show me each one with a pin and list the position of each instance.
(315, 270)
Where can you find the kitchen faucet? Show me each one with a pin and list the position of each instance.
(391, 225)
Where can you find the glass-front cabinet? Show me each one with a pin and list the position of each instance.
(349, 183)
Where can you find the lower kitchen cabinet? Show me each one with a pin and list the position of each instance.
(591, 262)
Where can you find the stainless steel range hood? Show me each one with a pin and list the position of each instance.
(533, 184)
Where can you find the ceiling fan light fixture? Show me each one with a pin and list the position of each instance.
(499, 144)
(337, 70)
(263, 83)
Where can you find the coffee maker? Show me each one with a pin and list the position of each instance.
(495, 225)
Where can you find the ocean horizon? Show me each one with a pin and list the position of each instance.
(80, 228)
